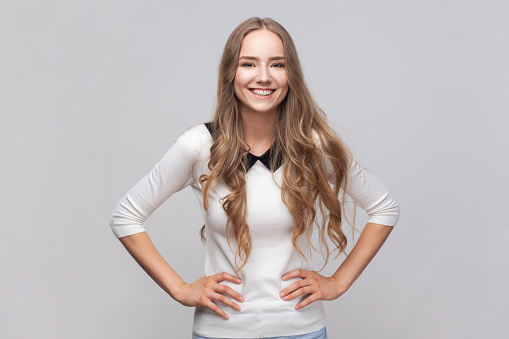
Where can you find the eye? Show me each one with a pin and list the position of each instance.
(279, 65)
(247, 64)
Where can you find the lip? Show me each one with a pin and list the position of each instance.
(262, 89)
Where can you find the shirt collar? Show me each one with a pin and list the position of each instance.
(268, 158)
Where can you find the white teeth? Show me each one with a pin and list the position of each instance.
(262, 91)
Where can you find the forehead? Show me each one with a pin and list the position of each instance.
(262, 43)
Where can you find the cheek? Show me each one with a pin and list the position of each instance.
(284, 92)
(284, 85)
(238, 83)
(283, 81)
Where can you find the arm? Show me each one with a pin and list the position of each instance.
(171, 174)
(383, 211)
(142, 249)
(200, 293)
(371, 240)
(329, 288)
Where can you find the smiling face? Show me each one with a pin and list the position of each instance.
(261, 82)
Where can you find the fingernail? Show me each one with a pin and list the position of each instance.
(226, 316)
(241, 299)
(284, 277)
(238, 280)
(285, 298)
(281, 294)
(237, 308)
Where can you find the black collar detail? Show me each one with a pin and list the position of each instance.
(268, 158)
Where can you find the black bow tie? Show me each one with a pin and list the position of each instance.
(265, 158)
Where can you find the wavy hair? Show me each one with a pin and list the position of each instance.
(303, 138)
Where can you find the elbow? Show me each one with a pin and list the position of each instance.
(127, 218)
(387, 214)
(116, 225)
(393, 211)
(122, 228)
(396, 211)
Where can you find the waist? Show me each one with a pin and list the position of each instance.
(260, 318)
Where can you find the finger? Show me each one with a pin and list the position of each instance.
(307, 301)
(230, 291)
(293, 287)
(298, 293)
(226, 301)
(225, 276)
(216, 309)
(295, 273)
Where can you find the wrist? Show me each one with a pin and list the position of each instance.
(342, 284)
(176, 290)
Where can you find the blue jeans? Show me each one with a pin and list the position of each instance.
(322, 334)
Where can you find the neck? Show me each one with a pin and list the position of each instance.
(259, 130)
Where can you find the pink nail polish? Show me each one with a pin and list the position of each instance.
(281, 294)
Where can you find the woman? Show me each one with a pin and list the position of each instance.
(262, 171)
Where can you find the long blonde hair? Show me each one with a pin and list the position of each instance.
(304, 176)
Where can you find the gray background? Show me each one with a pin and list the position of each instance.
(92, 94)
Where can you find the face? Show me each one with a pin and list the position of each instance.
(261, 82)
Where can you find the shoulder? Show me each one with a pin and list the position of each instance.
(196, 140)
(196, 132)
(195, 135)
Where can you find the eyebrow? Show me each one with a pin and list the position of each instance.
(256, 58)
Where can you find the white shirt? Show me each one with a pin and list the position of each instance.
(264, 313)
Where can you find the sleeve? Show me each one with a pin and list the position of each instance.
(171, 174)
(369, 193)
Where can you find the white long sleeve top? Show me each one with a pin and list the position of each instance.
(264, 313)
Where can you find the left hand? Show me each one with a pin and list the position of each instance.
(316, 285)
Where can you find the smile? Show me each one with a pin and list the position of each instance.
(262, 92)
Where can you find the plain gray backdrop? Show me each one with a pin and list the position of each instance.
(93, 93)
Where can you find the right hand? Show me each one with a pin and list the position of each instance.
(206, 289)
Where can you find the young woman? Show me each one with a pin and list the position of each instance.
(267, 171)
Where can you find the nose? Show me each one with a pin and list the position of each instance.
(263, 75)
